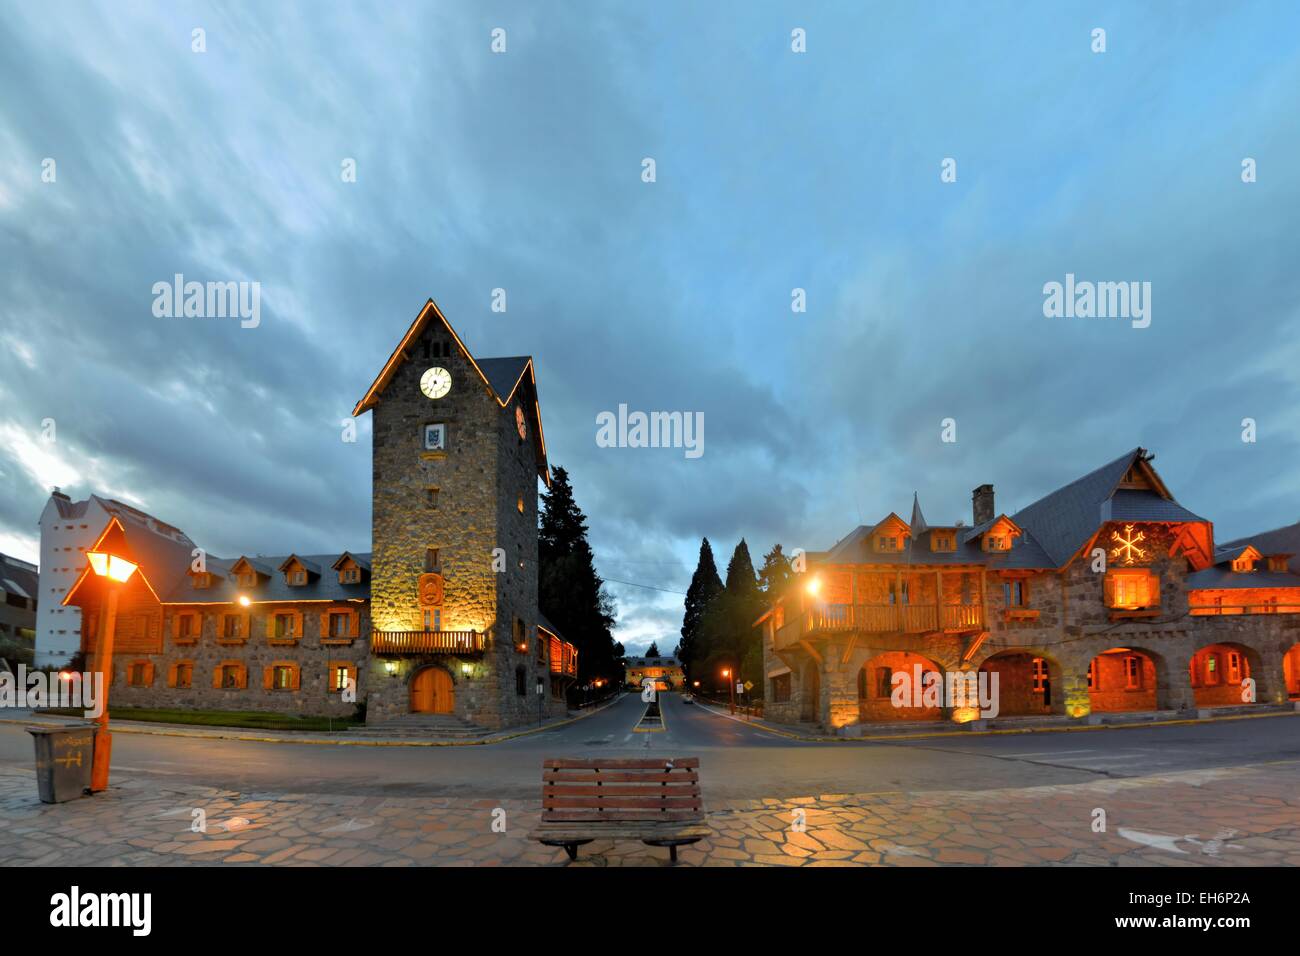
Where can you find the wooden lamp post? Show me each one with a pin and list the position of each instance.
(115, 571)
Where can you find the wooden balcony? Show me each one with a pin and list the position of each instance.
(827, 619)
(566, 662)
(412, 643)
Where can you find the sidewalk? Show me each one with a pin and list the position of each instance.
(910, 730)
(1239, 816)
(357, 737)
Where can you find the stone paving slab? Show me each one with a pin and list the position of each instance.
(1242, 816)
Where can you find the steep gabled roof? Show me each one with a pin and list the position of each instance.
(1063, 521)
(1279, 541)
(502, 375)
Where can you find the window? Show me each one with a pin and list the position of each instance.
(887, 543)
(184, 675)
(431, 559)
(1243, 564)
(281, 677)
(203, 580)
(1213, 677)
(521, 681)
(350, 576)
(521, 636)
(1277, 563)
(231, 676)
(139, 674)
(433, 619)
(339, 624)
(184, 627)
(781, 689)
(862, 683)
(942, 542)
(284, 626)
(248, 579)
(1013, 593)
(431, 497)
(998, 542)
(884, 681)
(1040, 675)
(1133, 589)
(1132, 673)
(1234, 667)
(340, 675)
(230, 628)
(297, 578)
(1092, 676)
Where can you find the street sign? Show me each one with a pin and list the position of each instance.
(740, 688)
(749, 685)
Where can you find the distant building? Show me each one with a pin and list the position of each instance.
(667, 670)
(68, 528)
(18, 590)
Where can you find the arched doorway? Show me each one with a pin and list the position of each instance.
(1028, 685)
(876, 687)
(810, 699)
(1123, 679)
(1217, 672)
(1291, 671)
(431, 692)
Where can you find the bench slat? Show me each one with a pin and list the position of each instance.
(639, 803)
(597, 817)
(568, 831)
(572, 776)
(620, 763)
(620, 790)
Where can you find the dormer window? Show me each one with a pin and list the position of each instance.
(297, 578)
(203, 580)
(942, 541)
(248, 579)
(887, 543)
(1243, 564)
(350, 576)
(1277, 563)
(998, 542)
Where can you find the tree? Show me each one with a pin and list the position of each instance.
(776, 575)
(654, 649)
(705, 586)
(726, 637)
(570, 592)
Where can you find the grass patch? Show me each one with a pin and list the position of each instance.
(252, 719)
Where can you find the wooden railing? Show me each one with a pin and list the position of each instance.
(427, 642)
(879, 619)
(1202, 610)
(566, 662)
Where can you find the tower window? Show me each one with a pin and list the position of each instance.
(431, 497)
(431, 559)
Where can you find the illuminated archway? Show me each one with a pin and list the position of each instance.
(1029, 683)
(1217, 671)
(875, 687)
(1126, 679)
(1291, 672)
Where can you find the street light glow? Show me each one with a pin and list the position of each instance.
(110, 566)
(244, 601)
(814, 586)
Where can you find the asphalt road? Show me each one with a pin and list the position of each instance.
(738, 761)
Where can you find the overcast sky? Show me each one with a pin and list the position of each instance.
(775, 170)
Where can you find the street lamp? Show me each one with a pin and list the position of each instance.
(731, 688)
(117, 571)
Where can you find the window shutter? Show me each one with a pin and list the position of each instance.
(293, 677)
(297, 624)
(324, 624)
(171, 675)
(268, 678)
(176, 626)
(1110, 590)
(148, 674)
(1153, 588)
(354, 623)
(216, 676)
(243, 677)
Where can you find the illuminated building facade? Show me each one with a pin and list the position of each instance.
(1105, 596)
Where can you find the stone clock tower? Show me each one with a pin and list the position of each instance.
(458, 451)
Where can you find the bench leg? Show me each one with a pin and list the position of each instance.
(672, 846)
(570, 846)
(572, 850)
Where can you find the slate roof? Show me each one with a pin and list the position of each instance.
(856, 549)
(1222, 576)
(503, 374)
(19, 577)
(224, 590)
(1278, 541)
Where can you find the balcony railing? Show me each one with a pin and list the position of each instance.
(879, 619)
(567, 661)
(1216, 609)
(427, 642)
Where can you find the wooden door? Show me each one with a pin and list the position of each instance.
(431, 692)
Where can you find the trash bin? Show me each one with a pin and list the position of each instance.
(63, 760)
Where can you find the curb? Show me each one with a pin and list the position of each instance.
(326, 742)
(879, 738)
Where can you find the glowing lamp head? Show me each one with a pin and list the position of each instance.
(467, 669)
(814, 587)
(244, 601)
(110, 566)
(726, 672)
(390, 667)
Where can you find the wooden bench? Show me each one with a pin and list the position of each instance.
(655, 801)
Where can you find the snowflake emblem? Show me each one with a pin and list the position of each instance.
(1127, 550)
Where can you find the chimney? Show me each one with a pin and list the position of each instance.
(982, 504)
(56, 493)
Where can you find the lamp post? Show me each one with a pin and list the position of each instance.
(116, 571)
(731, 688)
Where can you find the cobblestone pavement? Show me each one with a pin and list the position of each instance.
(1242, 816)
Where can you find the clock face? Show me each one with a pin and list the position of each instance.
(520, 423)
(436, 382)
